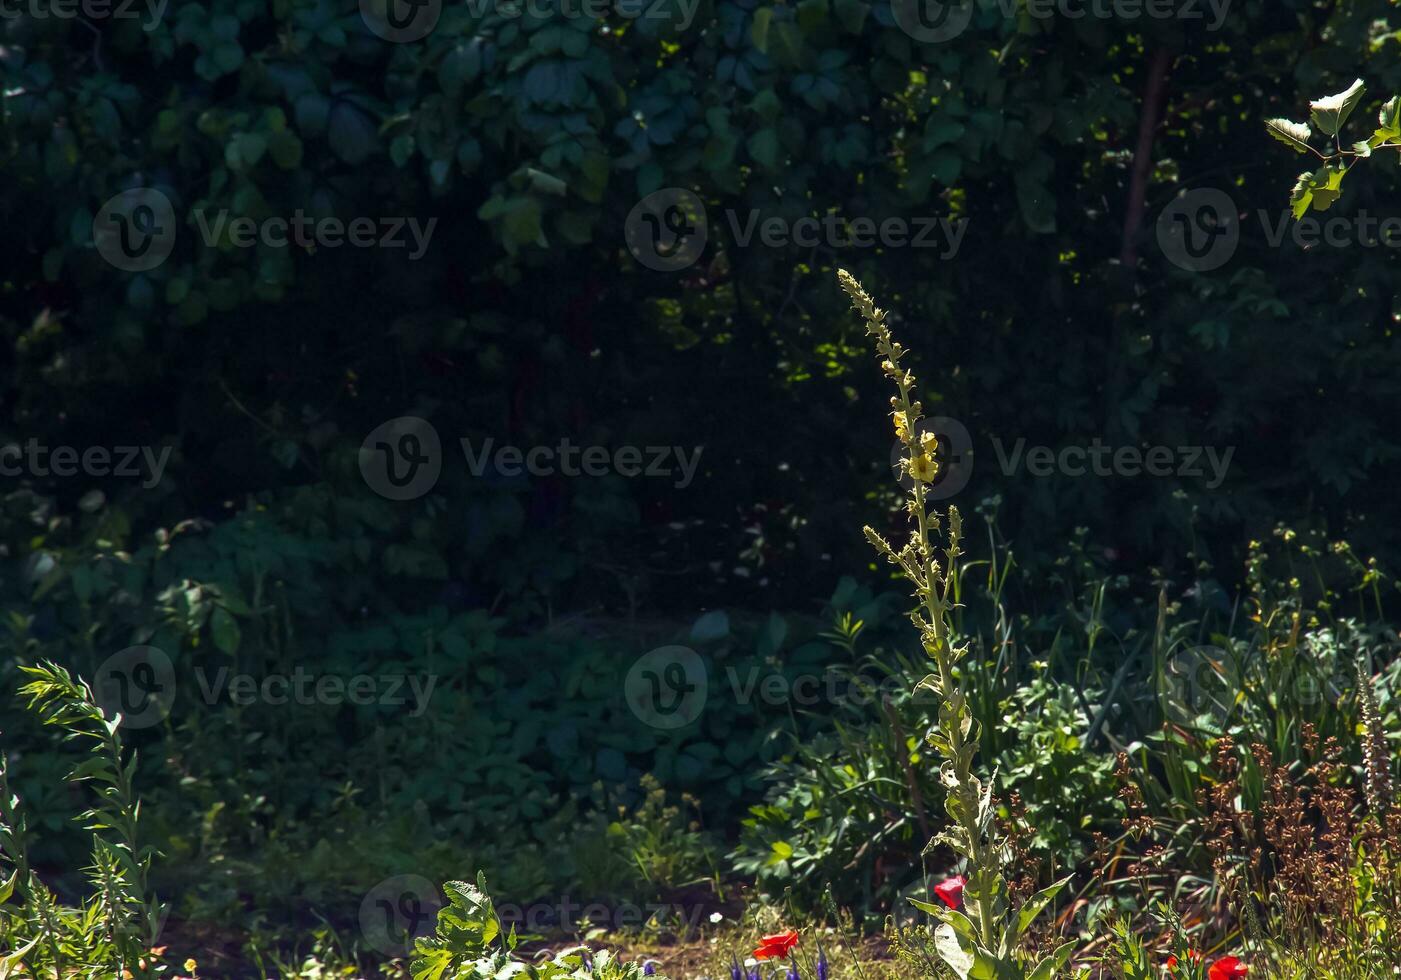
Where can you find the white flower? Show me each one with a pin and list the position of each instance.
(716, 917)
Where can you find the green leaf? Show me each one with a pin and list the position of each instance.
(285, 148)
(228, 57)
(1388, 122)
(764, 147)
(521, 225)
(759, 31)
(1053, 964)
(851, 14)
(225, 631)
(1317, 190)
(711, 626)
(1291, 134)
(8, 888)
(350, 133)
(1036, 904)
(1330, 113)
(788, 46)
(954, 950)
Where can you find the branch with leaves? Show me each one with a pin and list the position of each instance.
(1318, 189)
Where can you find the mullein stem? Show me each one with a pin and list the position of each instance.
(934, 589)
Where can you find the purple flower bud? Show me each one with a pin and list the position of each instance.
(649, 968)
(821, 966)
(735, 972)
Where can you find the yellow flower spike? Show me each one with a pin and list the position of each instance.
(902, 429)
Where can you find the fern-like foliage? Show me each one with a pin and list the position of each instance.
(113, 931)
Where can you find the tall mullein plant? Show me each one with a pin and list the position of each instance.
(984, 940)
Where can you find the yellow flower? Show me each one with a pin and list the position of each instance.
(923, 468)
(929, 442)
(902, 429)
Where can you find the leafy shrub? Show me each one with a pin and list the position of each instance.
(470, 944)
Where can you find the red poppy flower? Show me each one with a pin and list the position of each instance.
(1227, 968)
(777, 946)
(951, 891)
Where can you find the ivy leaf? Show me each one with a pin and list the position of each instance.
(1330, 113)
(1291, 134)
